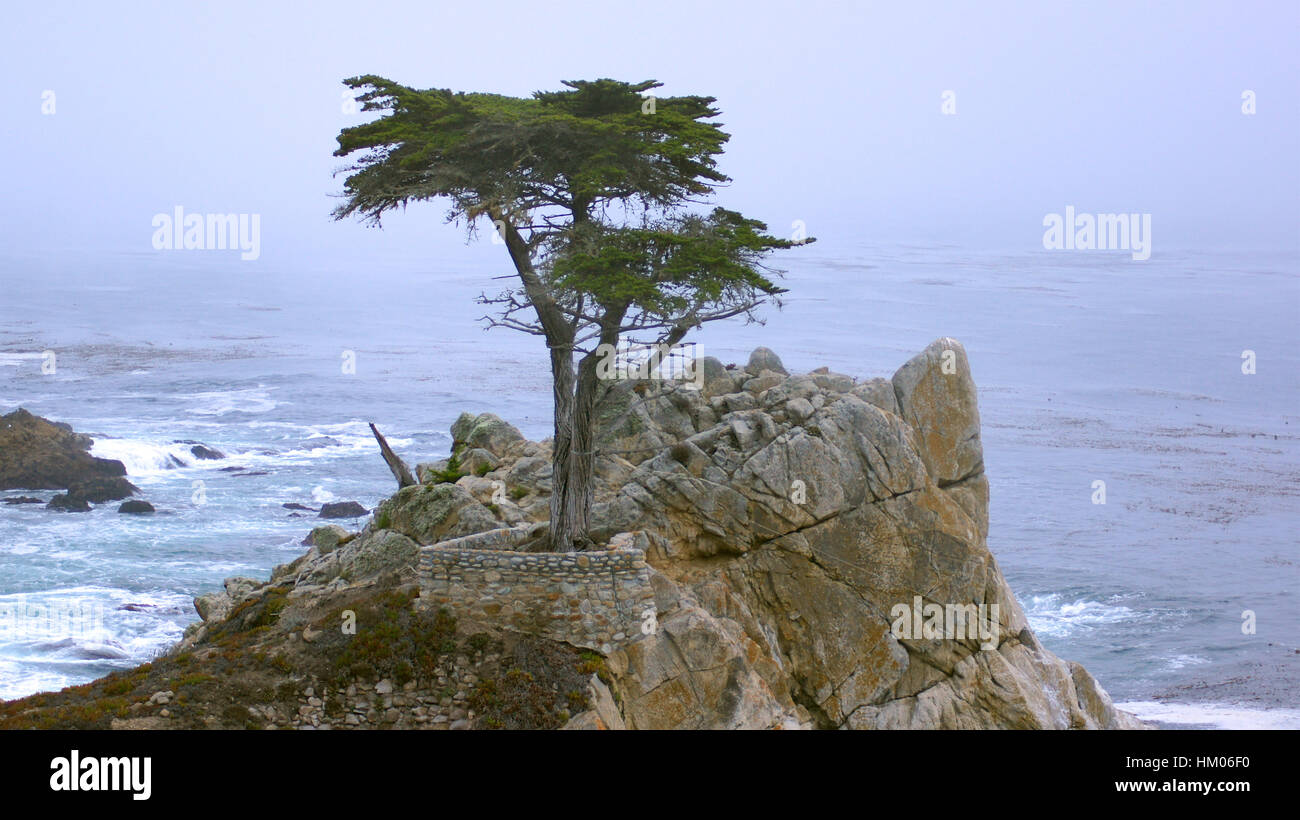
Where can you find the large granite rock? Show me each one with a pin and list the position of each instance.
(788, 529)
(936, 396)
(486, 431)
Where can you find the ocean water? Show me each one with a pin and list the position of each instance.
(1091, 367)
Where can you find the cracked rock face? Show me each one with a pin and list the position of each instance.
(787, 527)
(936, 396)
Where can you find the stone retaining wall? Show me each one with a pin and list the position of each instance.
(596, 599)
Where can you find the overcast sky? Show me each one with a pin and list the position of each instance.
(834, 108)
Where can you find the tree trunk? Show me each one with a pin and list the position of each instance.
(559, 333)
(582, 458)
(563, 525)
(395, 463)
(573, 452)
(573, 509)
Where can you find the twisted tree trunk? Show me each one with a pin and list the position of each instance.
(580, 478)
(573, 451)
(563, 523)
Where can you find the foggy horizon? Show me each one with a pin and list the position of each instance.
(835, 115)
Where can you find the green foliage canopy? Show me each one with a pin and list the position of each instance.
(586, 186)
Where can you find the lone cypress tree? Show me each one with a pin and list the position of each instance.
(589, 190)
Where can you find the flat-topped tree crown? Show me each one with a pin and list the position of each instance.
(592, 145)
(588, 187)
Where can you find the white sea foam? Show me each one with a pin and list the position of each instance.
(1052, 616)
(1218, 715)
(220, 402)
(19, 680)
(297, 445)
(45, 636)
(144, 457)
(321, 495)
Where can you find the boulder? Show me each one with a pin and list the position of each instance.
(428, 514)
(38, 454)
(834, 382)
(711, 369)
(483, 489)
(213, 607)
(326, 538)
(67, 502)
(375, 553)
(799, 409)
(487, 431)
(342, 509)
(696, 672)
(99, 489)
(763, 381)
(135, 507)
(936, 395)
(765, 359)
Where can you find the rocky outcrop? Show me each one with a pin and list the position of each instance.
(936, 396)
(796, 527)
(792, 525)
(789, 521)
(37, 454)
(801, 551)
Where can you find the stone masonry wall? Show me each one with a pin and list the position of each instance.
(441, 703)
(595, 599)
